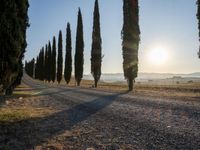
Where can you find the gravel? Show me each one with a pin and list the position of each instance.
(94, 120)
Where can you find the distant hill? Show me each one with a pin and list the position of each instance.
(118, 77)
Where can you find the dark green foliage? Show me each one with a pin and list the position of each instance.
(46, 63)
(131, 38)
(79, 60)
(49, 63)
(13, 25)
(53, 71)
(60, 58)
(30, 67)
(68, 57)
(198, 17)
(96, 56)
(37, 71)
(39, 66)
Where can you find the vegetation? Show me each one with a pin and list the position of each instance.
(198, 17)
(60, 58)
(68, 57)
(39, 66)
(79, 60)
(45, 62)
(96, 56)
(49, 63)
(13, 42)
(130, 44)
(53, 70)
(29, 67)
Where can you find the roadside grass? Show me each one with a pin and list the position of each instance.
(161, 89)
(13, 115)
(19, 94)
(20, 113)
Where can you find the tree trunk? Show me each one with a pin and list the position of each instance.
(9, 91)
(130, 84)
(95, 83)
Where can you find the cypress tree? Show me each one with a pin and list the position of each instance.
(13, 25)
(96, 56)
(60, 58)
(41, 64)
(131, 38)
(46, 64)
(37, 68)
(68, 57)
(49, 67)
(30, 66)
(79, 60)
(198, 17)
(53, 73)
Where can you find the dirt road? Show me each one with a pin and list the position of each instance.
(93, 119)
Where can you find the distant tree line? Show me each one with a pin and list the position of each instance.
(13, 25)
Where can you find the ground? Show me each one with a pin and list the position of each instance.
(44, 116)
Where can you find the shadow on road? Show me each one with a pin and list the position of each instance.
(29, 133)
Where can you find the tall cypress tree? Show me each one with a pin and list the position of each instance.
(49, 67)
(37, 68)
(79, 60)
(198, 17)
(68, 57)
(41, 64)
(13, 25)
(46, 64)
(96, 56)
(53, 73)
(131, 38)
(60, 58)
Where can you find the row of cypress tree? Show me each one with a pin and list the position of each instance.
(13, 25)
(45, 66)
(130, 46)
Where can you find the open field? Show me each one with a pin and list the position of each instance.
(59, 117)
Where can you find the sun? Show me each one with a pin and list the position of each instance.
(158, 56)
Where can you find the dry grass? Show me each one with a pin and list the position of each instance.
(172, 90)
(10, 115)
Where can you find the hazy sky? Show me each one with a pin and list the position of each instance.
(170, 25)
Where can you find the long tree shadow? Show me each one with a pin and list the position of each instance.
(26, 134)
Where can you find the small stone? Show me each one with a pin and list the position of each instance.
(114, 147)
(99, 136)
(20, 98)
(90, 148)
(7, 102)
(75, 138)
(137, 134)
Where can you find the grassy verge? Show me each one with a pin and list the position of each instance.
(10, 115)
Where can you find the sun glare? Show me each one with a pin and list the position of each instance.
(158, 56)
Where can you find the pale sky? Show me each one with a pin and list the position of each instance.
(168, 26)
